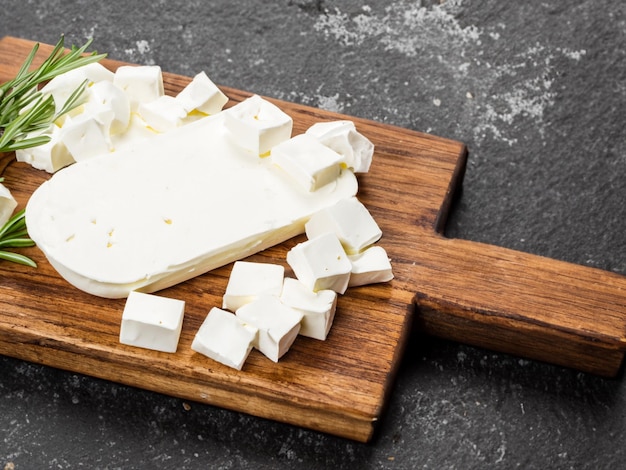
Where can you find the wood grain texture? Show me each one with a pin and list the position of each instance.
(470, 292)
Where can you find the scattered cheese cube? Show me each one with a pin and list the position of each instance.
(257, 125)
(7, 204)
(112, 104)
(50, 157)
(201, 94)
(341, 136)
(250, 280)
(309, 162)
(162, 114)
(370, 266)
(225, 338)
(317, 308)
(85, 137)
(142, 84)
(350, 220)
(321, 263)
(278, 325)
(152, 322)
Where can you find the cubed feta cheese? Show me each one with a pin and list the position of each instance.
(109, 101)
(257, 125)
(50, 157)
(152, 322)
(85, 137)
(201, 94)
(321, 263)
(341, 136)
(7, 204)
(250, 280)
(163, 114)
(318, 308)
(370, 266)
(141, 83)
(350, 220)
(278, 325)
(305, 159)
(225, 338)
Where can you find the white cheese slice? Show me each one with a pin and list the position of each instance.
(249, 280)
(201, 94)
(277, 323)
(168, 208)
(141, 83)
(321, 263)
(225, 338)
(317, 308)
(152, 322)
(350, 220)
(370, 266)
(7, 204)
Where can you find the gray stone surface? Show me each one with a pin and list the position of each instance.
(536, 89)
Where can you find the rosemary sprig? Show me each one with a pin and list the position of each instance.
(24, 109)
(14, 234)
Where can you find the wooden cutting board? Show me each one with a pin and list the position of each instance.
(470, 292)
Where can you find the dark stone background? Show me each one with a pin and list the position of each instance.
(537, 91)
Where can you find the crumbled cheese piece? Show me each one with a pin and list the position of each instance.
(7, 204)
(142, 84)
(350, 220)
(278, 325)
(317, 308)
(51, 156)
(321, 263)
(111, 104)
(310, 163)
(341, 136)
(225, 338)
(201, 94)
(250, 280)
(152, 322)
(85, 137)
(370, 266)
(257, 125)
(162, 114)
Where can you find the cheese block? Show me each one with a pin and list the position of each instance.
(163, 210)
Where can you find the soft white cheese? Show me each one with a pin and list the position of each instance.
(248, 281)
(350, 220)
(152, 322)
(163, 114)
(85, 137)
(278, 325)
(257, 125)
(310, 163)
(163, 210)
(225, 338)
(317, 308)
(141, 83)
(51, 156)
(7, 204)
(370, 266)
(341, 136)
(321, 263)
(201, 94)
(111, 104)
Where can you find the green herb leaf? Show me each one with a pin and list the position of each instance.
(13, 234)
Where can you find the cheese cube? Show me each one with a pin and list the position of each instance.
(85, 137)
(309, 162)
(370, 266)
(321, 263)
(163, 114)
(350, 220)
(142, 84)
(317, 308)
(225, 338)
(201, 94)
(257, 125)
(341, 136)
(7, 204)
(250, 280)
(50, 157)
(111, 104)
(278, 325)
(152, 322)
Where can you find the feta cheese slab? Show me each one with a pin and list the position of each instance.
(317, 308)
(370, 266)
(225, 338)
(250, 280)
(257, 125)
(350, 220)
(152, 322)
(162, 114)
(321, 263)
(7, 204)
(310, 163)
(141, 83)
(341, 136)
(277, 323)
(201, 94)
